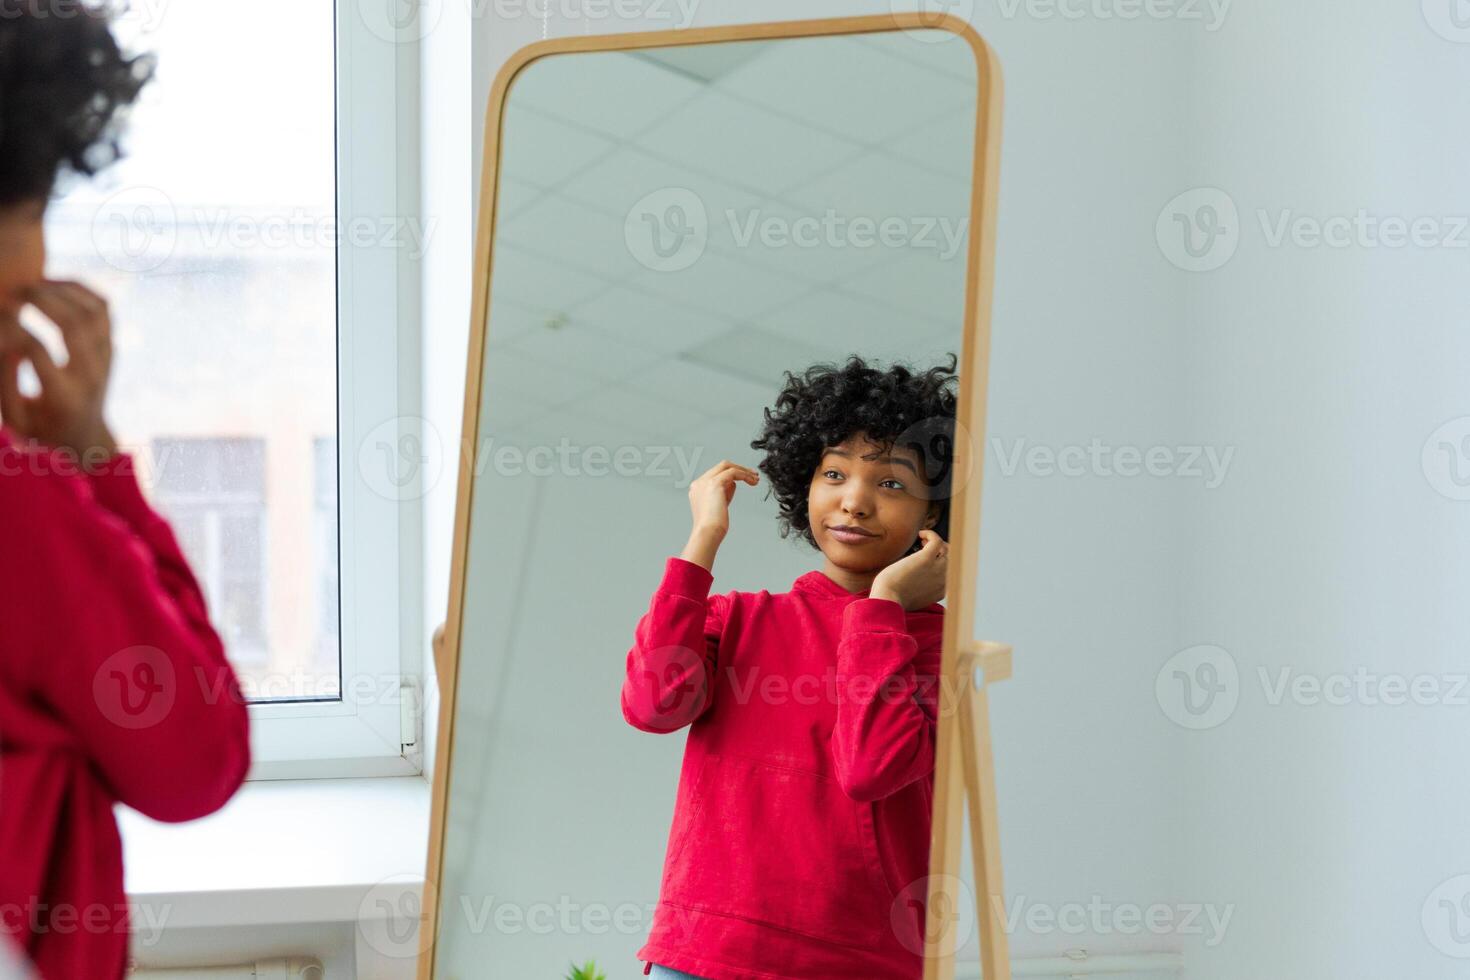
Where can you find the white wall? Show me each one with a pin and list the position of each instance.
(1328, 549)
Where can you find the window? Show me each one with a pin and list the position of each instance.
(253, 248)
(213, 492)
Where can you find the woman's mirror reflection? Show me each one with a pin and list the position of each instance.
(663, 287)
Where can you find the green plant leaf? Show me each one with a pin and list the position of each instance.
(587, 972)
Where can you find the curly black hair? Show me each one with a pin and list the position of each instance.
(826, 404)
(64, 89)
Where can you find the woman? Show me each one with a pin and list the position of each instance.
(113, 685)
(800, 837)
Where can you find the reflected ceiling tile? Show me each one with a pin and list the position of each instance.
(622, 180)
(572, 234)
(839, 323)
(757, 355)
(878, 187)
(514, 195)
(520, 375)
(745, 144)
(650, 321)
(537, 282)
(723, 286)
(585, 348)
(940, 52)
(807, 244)
(918, 280)
(946, 144)
(708, 441)
(635, 411)
(922, 351)
(612, 93)
(705, 63)
(544, 151)
(584, 425)
(707, 390)
(510, 320)
(857, 90)
(506, 409)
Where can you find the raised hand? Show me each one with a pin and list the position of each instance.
(68, 411)
(709, 505)
(917, 580)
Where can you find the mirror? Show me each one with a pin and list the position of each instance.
(674, 228)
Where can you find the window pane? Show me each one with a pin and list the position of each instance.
(214, 242)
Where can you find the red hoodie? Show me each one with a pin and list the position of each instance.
(113, 688)
(800, 837)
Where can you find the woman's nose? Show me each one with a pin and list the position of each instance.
(855, 501)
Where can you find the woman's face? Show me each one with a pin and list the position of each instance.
(22, 259)
(873, 489)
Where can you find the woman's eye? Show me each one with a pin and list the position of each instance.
(831, 473)
(899, 485)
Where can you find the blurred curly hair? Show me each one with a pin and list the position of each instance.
(827, 403)
(64, 89)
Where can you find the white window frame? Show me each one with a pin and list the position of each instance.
(375, 729)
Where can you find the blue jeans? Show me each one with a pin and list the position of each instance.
(664, 973)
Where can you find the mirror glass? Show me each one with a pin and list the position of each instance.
(677, 228)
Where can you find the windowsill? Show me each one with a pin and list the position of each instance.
(282, 851)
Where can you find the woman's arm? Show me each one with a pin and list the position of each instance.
(885, 732)
(671, 668)
(117, 641)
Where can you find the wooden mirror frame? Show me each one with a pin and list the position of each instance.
(956, 765)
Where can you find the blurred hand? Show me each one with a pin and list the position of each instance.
(67, 413)
(916, 580)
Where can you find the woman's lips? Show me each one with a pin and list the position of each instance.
(851, 537)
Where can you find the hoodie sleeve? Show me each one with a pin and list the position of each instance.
(887, 711)
(669, 682)
(121, 648)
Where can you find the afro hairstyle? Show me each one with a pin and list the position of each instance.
(64, 86)
(827, 404)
